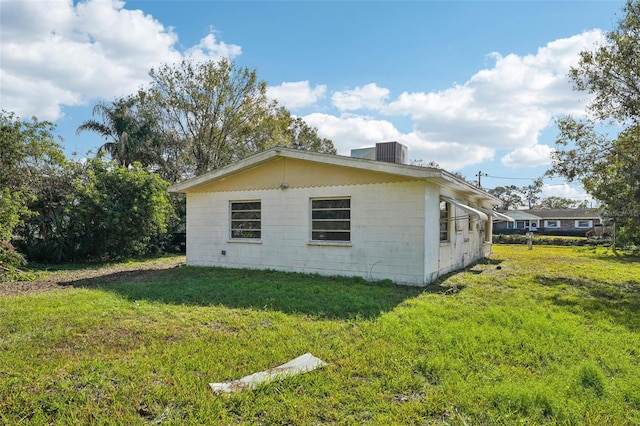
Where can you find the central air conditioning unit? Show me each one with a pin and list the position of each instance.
(389, 152)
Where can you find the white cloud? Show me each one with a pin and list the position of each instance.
(565, 191)
(350, 131)
(56, 53)
(297, 94)
(505, 107)
(369, 96)
(528, 156)
(209, 48)
(450, 156)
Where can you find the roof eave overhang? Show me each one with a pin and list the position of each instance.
(466, 187)
(418, 172)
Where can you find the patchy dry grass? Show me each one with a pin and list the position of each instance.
(548, 336)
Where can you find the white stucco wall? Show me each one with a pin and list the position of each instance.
(387, 232)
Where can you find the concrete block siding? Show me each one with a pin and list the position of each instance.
(394, 233)
(383, 243)
(394, 217)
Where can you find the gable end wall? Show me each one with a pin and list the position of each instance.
(387, 232)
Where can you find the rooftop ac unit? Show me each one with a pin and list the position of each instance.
(391, 152)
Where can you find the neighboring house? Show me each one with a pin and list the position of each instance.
(552, 221)
(302, 211)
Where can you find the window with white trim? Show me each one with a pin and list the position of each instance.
(331, 219)
(584, 224)
(552, 224)
(445, 220)
(245, 219)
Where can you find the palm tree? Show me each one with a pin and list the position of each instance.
(125, 133)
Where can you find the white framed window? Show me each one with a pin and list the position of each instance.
(445, 220)
(331, 219)
(552, 223)
(584, 224)
(521, 224)
(245, 220)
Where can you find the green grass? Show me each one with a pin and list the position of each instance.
(548, 336)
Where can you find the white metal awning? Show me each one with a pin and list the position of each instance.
(472, 211)
(499, 216)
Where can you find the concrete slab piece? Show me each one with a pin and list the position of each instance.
(302, 364)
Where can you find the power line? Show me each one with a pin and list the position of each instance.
(521, 178)
(512, 178)
(480, 174)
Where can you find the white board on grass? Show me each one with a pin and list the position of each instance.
(302, 364)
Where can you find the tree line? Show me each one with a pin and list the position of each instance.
(192, 118)
(195, 117)
(529, 196)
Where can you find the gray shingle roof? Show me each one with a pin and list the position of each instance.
(565, 213)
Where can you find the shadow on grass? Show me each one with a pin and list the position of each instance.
(314, 295)
(620, 256)
(620, 302)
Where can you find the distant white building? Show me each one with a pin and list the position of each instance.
(302, 211)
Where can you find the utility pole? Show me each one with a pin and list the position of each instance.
(480, 174)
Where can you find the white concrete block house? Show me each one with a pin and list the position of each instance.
(301, 211)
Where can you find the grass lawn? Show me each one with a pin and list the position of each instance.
(548, 336)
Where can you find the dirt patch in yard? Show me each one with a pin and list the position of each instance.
(62, 279)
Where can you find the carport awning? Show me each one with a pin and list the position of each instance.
(499, 216)
(474, 212)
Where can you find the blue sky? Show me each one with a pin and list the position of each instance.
(471, 85)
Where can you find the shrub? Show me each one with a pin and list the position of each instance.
(10, 261)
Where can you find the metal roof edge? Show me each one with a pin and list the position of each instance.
(205, 178)
(407, 170)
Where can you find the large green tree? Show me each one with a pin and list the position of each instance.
(531, 193)
(608, 167)
(128, 135)
(554, 202)
(299, 135)
(509, 195)
(206, 111)
(29, 155)
(210, 114)
(611, 72)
